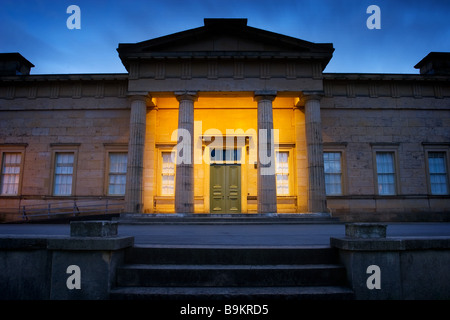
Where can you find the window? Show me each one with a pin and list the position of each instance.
(167, 174)
(282, 172)
(10, 173)
(117, 173)
(437, 166)
(333, 173)
(386, 173)
(64, 163)
(225, 155)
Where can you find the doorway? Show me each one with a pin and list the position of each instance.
(225, 188)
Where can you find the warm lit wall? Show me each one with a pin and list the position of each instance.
(216, 114)
(301, 162)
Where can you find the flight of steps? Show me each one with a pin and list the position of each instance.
(230, 218)
(237, 273)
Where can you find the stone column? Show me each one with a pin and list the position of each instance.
(317, 201)
(267, 189)
(135, 162)
(184, 179)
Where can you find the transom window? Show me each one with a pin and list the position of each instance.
(225, 155)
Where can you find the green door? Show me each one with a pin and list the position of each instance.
(225, 190)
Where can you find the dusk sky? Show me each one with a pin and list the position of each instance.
(410, 29)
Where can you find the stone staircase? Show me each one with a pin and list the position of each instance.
(231, 273)
(225, 218)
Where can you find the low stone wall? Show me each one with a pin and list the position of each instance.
(81, 266)
(409, 216)
(380, 268)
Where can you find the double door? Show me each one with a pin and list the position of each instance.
(225, 188)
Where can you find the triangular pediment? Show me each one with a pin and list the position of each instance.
(221, 41)
(225, 37)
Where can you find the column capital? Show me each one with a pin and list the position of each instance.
(311, 95)
(140, 96)
(264, 95)
(186, 95)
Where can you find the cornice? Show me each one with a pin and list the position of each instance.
(66, 77)
(383, 77)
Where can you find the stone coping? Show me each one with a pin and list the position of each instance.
(66, 77)
(391, 244)
(35, 242)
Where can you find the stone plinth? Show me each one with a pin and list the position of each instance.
(405, 269)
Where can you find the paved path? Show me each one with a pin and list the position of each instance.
(235, 234)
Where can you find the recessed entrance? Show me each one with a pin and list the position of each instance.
(225, 191)
(225, 181)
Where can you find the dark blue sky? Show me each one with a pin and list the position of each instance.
(409, 29)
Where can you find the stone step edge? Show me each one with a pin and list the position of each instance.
(151, 246)
(229, 292)
(206, 267)
(204, 218)
(230, 254)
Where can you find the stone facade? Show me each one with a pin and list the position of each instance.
(40, 121)
(222, 85)
(405, 114)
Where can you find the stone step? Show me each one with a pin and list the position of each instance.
(241, 294)
(229, 255)
(229, 275)
(236, 272)
(231, 218)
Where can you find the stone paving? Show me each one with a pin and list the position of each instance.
(236, 234)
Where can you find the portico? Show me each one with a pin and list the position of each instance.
(192, 122)
(224, 78)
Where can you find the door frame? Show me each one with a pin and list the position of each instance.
(244, 163)
(226, 187)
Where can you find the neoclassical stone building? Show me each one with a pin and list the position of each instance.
(227, 118)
